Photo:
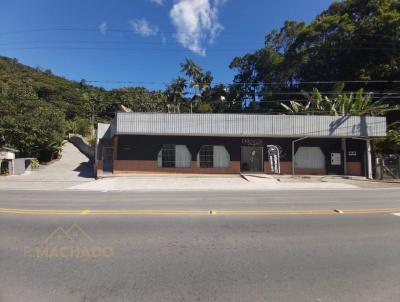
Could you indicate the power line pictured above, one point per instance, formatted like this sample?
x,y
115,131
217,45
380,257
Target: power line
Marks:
x,y
173,42
165,101
106,42
253,83
265,94
181,49
116,49
116,30
120,30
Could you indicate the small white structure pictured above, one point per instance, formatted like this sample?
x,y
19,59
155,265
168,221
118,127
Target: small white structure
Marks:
x,y
7,157
7,153
10,165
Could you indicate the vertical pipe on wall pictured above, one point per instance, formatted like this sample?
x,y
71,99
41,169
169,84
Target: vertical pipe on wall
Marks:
x,y
293,153
369,159
344,149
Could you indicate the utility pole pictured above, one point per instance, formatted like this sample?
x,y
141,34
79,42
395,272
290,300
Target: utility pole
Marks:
x,y
93,103
344,147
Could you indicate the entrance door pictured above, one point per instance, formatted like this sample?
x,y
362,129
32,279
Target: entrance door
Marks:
x,y
108,159
252,159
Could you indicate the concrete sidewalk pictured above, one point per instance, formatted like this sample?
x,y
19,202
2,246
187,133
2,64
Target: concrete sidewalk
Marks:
x,y
71,169
74,172
184,182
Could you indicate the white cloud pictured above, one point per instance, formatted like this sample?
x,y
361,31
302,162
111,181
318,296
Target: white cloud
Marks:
x,y
143,27
158,2
196,22
103,27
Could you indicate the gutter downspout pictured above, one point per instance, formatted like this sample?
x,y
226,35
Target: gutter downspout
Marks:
x,y
369,156
369,159
344,149
96,152
293,142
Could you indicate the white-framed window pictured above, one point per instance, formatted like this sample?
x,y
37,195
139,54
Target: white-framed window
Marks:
x,y
213,157
174,156
206,157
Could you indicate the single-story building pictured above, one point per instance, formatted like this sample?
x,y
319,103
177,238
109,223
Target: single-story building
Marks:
x,y
10,165
237,143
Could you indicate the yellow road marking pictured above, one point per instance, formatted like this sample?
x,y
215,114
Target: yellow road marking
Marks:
x,y
87,212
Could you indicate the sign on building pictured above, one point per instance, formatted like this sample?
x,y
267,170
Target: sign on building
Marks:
x,y
336,159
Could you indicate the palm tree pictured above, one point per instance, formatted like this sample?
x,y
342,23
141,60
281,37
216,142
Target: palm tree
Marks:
x,y
193,72
205,81
175,93
199,80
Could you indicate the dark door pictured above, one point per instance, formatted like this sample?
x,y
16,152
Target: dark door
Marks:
x,y
252,159
336,163
108,159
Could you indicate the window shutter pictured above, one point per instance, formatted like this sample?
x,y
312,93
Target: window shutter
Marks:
x,y
159,159
221,157
183,157
309,157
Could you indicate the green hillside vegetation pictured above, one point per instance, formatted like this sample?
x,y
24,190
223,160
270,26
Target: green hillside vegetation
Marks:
x,y
38,109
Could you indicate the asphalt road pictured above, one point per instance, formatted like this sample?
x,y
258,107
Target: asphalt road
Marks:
x,y
200,258
249,200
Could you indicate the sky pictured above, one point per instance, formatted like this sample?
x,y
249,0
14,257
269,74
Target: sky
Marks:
x,y
141,42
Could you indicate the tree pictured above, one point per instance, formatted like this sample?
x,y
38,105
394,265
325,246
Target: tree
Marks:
x,y
138,99
38,108
193,72
353,40
175,94
391,143
359,39
351,104
201,82
33,127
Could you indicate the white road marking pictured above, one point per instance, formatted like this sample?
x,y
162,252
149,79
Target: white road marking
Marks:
x,y
396,214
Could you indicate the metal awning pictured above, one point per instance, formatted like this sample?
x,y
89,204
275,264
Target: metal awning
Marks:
x,y
248,125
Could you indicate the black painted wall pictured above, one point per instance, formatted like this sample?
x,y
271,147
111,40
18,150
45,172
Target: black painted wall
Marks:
x,y
147,147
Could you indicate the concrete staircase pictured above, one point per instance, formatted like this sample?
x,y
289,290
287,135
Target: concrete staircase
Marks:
x,y
83,146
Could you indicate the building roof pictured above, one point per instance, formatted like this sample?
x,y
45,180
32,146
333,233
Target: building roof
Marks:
x,y
8,149
250,125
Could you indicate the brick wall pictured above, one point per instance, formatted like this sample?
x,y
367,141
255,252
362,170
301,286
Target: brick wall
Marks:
x,y
135,166
132,166
354,169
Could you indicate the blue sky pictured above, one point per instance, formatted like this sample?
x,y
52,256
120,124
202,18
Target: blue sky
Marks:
x,y
141,41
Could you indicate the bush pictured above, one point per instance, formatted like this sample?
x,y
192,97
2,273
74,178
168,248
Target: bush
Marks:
x,y
80,126
204,108
35,163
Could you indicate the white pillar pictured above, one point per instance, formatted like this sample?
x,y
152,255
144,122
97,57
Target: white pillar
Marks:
x,y
369,159
11,167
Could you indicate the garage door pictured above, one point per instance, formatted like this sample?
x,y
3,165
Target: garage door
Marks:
x,y
309,158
